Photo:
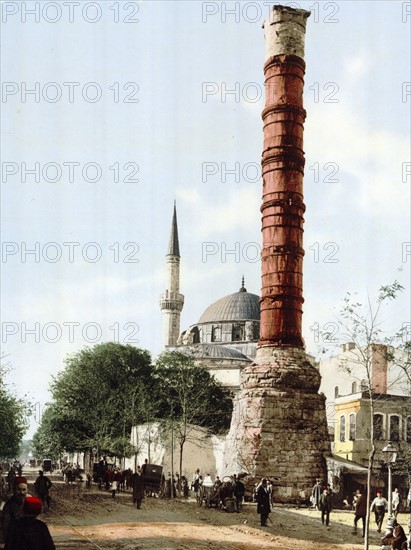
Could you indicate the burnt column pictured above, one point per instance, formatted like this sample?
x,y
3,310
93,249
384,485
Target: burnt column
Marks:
x,y
279,426
283,170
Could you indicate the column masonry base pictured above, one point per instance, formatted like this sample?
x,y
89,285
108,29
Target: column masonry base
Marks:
x,y
279,427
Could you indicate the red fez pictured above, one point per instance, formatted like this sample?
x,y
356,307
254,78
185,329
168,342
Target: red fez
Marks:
x,y
32,506
379,492
19,479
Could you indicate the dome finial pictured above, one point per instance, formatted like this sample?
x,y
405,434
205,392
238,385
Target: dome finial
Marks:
x,y
242,289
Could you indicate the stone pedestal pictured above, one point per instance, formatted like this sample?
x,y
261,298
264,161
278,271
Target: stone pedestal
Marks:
x,y
279,429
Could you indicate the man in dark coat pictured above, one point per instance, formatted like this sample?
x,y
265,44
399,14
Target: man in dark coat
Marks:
x,y
137,484
29,533
42,486
13,507
325,506
239,491
398,536
263,502
360,511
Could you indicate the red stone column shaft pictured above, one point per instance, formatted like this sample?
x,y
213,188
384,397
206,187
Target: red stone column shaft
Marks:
x,y
283,207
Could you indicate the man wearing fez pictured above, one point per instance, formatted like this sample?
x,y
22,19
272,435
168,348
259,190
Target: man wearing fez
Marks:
x,y
28,532
13,507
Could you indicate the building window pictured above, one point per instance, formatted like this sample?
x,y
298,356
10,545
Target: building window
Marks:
x,y
216,334
352,426
378,426
364,385
237,333
408,435
354,387
336,391
394,428
342,427
196,335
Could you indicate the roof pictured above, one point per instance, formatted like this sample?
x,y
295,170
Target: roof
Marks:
x,y
346,465
173,245
210,351
241,305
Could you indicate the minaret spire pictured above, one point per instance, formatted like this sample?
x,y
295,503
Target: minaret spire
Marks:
x,y
171,301
173,245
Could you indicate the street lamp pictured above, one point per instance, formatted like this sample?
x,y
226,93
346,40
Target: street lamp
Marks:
x,y
390,454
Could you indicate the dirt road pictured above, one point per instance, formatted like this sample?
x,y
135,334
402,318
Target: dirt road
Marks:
x,y
82,519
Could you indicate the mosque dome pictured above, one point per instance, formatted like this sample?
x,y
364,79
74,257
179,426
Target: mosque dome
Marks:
x,y
240,306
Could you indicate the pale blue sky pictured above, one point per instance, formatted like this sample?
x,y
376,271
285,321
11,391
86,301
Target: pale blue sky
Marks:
x,y
170,54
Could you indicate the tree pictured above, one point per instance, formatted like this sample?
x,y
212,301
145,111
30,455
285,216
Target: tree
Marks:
x,y
190,397
361,324
91,400
13,421
51,438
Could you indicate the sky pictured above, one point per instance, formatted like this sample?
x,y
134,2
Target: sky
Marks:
x,y
112,110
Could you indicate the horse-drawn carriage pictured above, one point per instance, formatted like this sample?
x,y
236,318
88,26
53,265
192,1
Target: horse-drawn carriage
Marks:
x,y
153,477
219,495
47,466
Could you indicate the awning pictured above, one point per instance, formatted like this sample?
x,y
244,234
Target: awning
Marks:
x,y
344,466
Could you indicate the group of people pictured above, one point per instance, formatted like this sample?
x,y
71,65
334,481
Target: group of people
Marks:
x,y
395,538
20,526
235,489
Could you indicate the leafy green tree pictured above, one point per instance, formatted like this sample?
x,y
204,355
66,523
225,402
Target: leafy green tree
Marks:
x,y
13,420
189,397
92,396
52,437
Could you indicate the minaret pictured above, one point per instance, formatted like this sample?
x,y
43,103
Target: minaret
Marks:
x,y
279,428
171,301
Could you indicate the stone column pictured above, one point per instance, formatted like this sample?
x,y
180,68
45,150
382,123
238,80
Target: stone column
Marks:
x,y
283,171
279,428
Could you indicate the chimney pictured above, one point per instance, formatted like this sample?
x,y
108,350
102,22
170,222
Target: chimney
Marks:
x,y
379,368
283,170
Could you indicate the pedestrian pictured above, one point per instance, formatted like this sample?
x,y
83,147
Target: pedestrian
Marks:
x,y
27,532
379,506
360,510
184,486
137,484
196,481
2,486
239,492
396,537
143,473
399,536
263,502
270,490
208,481
113,488
42,486
177,484
395,502
316,494
325,506
13,507
11,476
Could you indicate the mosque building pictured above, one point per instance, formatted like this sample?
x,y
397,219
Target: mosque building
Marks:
x,y
224,340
